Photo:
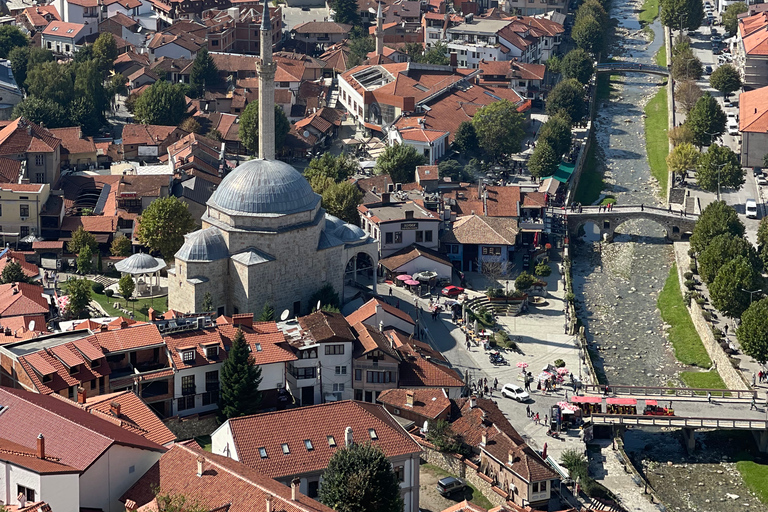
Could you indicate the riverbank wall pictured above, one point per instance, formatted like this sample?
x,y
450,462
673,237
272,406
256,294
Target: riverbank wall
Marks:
x,y
670,102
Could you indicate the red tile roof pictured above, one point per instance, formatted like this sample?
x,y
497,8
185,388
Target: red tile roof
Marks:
x,y
314,423
367,310
429,403
135,415
74,436
9,170
49,362
29,269
753,111
224,484
15,139
146,134
73,140
28,299
267,343
54,244
90,223
407,254
26,457
62,29
130,338
324,326
420,367
37,14
198,340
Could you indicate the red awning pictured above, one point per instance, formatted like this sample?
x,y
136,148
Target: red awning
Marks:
x,y
586,400
651,402
621,401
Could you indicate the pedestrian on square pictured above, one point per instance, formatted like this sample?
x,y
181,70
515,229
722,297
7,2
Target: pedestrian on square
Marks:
x,y
752,404
495,383
709,397
545,420
390,291
537,418
642,207
725,329
528,410
485,390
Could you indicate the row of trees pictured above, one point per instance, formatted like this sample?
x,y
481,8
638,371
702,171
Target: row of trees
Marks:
x,y
589,29
719,166
682,14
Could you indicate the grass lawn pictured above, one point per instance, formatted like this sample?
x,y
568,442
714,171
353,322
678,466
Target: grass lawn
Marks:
x,y
661,56
591,181
477,496
656,140
649,12
138,306
685,340
755,477
709,379
205,442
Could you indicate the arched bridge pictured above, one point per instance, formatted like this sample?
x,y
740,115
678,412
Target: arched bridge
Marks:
x,y
630,67
677,225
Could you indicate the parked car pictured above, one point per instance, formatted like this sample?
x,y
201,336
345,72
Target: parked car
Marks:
x,y
733,127
515,392
757,172
449,485
708,70
762,181
452,291
751,208
717,39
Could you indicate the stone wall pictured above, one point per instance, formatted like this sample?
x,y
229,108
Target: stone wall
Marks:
x,y
192,426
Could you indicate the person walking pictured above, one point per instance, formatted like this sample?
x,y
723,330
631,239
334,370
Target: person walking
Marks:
x,y
642,207
752,404
546,423
528,410
709,397
495,383
390,291
537,418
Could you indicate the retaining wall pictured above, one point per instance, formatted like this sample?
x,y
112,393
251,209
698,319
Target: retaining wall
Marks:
x,y
670,101
192,426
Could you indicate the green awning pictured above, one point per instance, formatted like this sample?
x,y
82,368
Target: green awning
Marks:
x,y
564,172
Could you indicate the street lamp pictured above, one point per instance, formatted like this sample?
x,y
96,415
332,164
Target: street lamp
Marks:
x,y
718,178
712,137
751,292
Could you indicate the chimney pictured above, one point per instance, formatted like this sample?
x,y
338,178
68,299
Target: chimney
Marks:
x,y
40,446
130,506
152,314
123,324
81,395
409,214
104,328
114,409
454,62
385,198
200,461
484,437
295,489
269,503
511,457
472,402
348,437
244,319
409,398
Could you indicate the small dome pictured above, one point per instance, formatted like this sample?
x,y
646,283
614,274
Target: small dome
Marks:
x,y
203,245
332,223
264,187
350,233
140,263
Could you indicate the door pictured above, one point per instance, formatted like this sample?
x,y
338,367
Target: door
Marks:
x,y
308,395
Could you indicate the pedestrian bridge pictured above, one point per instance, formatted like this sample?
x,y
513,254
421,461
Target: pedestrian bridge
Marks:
x,y
676,225
630,67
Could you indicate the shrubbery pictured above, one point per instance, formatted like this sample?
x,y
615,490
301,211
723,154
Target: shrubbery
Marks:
x,y
98,288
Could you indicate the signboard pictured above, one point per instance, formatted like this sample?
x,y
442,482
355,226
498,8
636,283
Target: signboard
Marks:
x,y
147,150
409,225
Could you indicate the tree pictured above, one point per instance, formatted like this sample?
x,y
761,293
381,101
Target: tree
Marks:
x,y
725,79
121,246
190,125
681,135
731,16
400,162
557,133
204,74
588,34
326,295
719,167
689,13
437,55
454,170
267,313
567,97
554,64
762,240
753,331
53,81
543,161
716,218
359,48
706,120
79,293
721,250
207,302
24,59
85,260
442,436
466,138
11,37
341,200
682,158
360,478
42,111
499,128
727,290
346,11
240,380
164,224
13,273
595,9
686,66
177,502
687,93
577,64
338,168
524,282
249,127
126,286
162,103
80,239
105,52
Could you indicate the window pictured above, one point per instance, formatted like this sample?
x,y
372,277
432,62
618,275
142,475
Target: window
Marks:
x,y
419,236
211,395
29,493
309,354
24,210
1,210
39,160
258,347
188,356
49,45
400,473
331,441
332,350
188,385
379,377
398,237
263,452
39,177
74,369
338,387
372,434
96,363
312,488
286,450
72,392
93,384
359,394
543,486
358,374
214,42
23,231
305,373
308,445
47,378
388,238
212,352
66,48
341,370
427,236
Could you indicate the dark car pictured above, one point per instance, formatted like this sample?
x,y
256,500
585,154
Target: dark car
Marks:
x,y
708,70
449,485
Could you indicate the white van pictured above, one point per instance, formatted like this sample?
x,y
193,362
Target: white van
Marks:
x,y
751,209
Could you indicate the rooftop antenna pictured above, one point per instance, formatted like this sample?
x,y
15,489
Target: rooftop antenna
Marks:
x,y
284,315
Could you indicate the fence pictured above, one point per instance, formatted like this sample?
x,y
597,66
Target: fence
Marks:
x,y
681,422
667,392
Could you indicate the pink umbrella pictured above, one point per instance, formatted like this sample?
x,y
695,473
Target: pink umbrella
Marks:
x,y
404,277
563,371
522,365
562,405
412,282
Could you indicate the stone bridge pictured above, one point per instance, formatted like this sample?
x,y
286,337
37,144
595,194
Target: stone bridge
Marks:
x,y
677,226
630,67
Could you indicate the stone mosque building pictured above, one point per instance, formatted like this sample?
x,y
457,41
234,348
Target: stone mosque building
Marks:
x,y
265,238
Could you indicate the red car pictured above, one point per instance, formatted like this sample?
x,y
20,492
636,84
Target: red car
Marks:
x,y
452,291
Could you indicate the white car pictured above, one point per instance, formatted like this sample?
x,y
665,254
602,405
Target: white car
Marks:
x,y
515,392
733,127
751,209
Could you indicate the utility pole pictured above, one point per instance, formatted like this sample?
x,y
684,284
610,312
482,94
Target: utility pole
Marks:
x,y
751,293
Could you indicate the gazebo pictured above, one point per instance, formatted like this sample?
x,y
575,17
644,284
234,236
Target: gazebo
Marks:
x,y
141,264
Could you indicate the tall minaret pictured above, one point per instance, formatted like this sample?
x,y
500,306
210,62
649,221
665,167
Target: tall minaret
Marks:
x,y
379,32
266,69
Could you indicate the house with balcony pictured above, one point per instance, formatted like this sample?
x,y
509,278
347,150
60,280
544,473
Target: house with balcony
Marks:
x,y
35,147
399,224
376,363
751,50
320,33
237,28
524,78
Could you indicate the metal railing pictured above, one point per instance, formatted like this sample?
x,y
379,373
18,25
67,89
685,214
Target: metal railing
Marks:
x,y
678,421
628,208
631,66
665,392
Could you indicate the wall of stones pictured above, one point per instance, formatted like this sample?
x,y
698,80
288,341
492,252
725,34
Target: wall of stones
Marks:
x,y
192,426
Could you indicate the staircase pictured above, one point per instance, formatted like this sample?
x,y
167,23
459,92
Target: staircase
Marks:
x,y
599,504
333,99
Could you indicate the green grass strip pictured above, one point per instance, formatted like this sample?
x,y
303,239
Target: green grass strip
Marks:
x,y
138,306
591,181
661,56
656,140
685,340
648,12
755,477
710,379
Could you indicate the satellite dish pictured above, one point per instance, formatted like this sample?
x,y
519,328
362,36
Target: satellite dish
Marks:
x,y
318,305
305,134
31,325
284,315
425,428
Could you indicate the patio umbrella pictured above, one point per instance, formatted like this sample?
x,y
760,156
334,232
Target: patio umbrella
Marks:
x,y
404,277
412,282
521,364
563,371
562,405
544,375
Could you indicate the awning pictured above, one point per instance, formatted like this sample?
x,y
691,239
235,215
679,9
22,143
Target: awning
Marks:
x,y
564,172
549,185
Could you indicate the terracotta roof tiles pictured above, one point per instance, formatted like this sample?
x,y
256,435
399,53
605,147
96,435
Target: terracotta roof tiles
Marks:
x,y
27,299
135,415
430,403
368,310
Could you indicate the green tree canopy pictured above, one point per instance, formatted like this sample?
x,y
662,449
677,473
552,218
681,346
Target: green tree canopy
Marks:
x,y
466,138
762,240
682,158
338,168
557,133
499,128
11,37
162,103
454,170
53,81
725,79
80,239
240,380
727,290
567,97
543,161
400,162
595,9
554,64
42,111
689,12
121,246
346,11
716,218
524,282
681,135
126,286
204,74
341,200
686,66
588,34
85,260
79,293
360,478
753,331
207,302
722,249
327,296
706,120
25,58
249,127
687,93
719,163
13,273
438,54
105,52
359,48
164,224
577,64
731,16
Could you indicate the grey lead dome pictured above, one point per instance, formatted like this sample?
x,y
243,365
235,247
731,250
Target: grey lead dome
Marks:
x,y
264,187
203,245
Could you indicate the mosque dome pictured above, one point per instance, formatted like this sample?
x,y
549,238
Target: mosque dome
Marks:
x,y
264,187
345,232
203,245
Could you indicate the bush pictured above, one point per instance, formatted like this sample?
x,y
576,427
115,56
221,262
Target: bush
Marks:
x,y
494,293
688,275
701,301
570,297
543,270
559,363
691,253
707,315
717,333
688,297
690,284
694,268
98,288
109,292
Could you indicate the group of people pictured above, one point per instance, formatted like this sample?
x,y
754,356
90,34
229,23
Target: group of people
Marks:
x,y
534,416
481,388
762,377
